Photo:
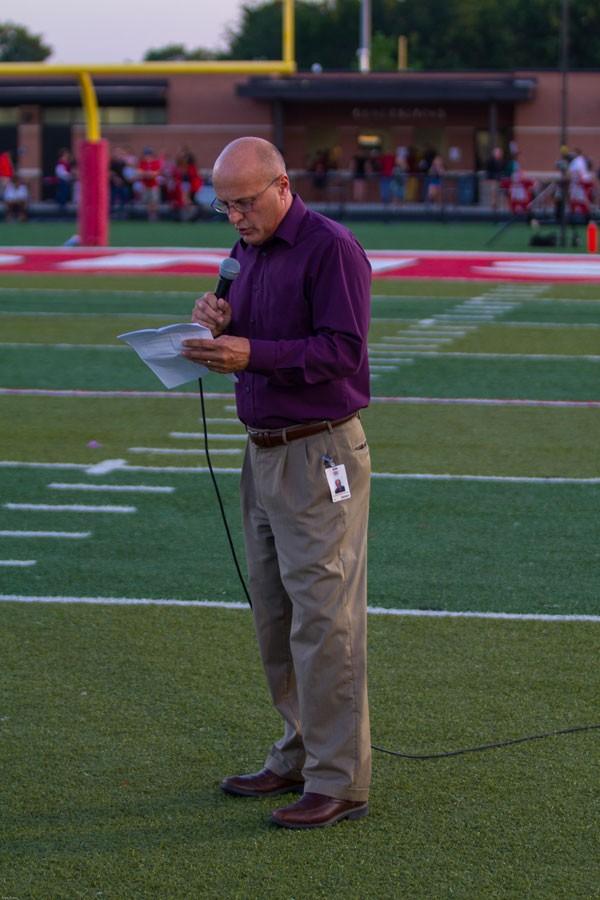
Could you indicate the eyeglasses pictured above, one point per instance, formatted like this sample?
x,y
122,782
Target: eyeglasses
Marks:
x,y
243,205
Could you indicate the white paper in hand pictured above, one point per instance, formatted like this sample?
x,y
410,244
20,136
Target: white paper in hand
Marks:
x,y
160,349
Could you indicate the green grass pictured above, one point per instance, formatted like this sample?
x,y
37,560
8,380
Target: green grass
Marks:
x,y
406,235
117,723
431,546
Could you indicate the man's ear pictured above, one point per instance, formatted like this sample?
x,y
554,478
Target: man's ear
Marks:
x,y
284,185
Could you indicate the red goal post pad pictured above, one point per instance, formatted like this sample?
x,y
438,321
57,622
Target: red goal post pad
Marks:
x,y
93,198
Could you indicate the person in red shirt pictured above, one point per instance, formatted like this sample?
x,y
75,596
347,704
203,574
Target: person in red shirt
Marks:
x,y
187,182
149,173
6,170
520,192
386,165
581,195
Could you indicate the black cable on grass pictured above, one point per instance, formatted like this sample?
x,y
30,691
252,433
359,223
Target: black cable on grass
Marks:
x,y
218,493
494,746
420,756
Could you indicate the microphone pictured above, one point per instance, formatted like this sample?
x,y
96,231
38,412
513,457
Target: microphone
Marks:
x,y
228,272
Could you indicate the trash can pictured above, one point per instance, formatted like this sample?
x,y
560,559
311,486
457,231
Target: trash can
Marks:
x,y
466,190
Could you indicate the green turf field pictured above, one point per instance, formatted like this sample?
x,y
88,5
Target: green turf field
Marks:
x,y
398,235
118,721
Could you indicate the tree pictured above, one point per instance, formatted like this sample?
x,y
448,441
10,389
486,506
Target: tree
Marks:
x,y
442,34
326,33
178,52
17,44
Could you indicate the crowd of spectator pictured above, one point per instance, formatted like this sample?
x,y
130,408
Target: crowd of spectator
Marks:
x,y
150,181
402,174
13,190
154,179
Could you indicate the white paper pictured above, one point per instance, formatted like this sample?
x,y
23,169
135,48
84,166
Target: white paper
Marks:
x,y
161,348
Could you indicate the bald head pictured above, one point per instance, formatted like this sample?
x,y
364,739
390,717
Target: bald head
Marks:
x,y
250,179
251,155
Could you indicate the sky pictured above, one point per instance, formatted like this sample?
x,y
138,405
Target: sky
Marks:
x,y
122,30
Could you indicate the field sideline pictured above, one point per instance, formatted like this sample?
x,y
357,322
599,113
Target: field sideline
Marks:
x,y
131,679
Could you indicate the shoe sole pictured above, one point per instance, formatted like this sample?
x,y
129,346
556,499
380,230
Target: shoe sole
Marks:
x,y
236,792
359,813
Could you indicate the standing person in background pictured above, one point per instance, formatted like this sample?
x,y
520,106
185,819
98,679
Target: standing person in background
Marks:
x,y
6,170
187,184
495,172
399,173
64,172
149,173
385,169
119,189
295,332
435,175
360,169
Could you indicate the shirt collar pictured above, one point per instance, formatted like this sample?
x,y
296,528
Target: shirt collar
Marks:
x,y
288,228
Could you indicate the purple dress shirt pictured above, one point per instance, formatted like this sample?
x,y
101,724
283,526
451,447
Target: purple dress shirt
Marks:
x,y
303,300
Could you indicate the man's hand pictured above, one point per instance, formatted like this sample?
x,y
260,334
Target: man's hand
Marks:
x,y
214,314
225,354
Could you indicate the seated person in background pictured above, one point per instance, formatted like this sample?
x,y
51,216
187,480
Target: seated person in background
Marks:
x,y
16,199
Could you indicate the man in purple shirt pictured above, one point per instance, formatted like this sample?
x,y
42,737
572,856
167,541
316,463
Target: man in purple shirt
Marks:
x,y
295,331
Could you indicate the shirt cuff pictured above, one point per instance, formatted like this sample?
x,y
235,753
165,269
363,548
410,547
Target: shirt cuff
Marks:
x,y
263,356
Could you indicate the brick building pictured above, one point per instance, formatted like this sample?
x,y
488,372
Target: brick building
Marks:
x,y
460,115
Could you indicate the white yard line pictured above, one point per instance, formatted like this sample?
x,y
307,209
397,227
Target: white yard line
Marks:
x,y
372,610
488,401
117,488
38,345
461,354
517,479
179,451
105,466
422,476
417,339
18,563
69,507
195,435
232,420
74,535
129,395
85,292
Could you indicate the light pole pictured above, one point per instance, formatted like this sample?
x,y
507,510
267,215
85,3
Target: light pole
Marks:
x,y
564,72
364,51
564,118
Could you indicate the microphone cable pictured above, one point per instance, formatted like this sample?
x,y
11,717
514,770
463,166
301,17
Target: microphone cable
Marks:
x,y
218,493
445,754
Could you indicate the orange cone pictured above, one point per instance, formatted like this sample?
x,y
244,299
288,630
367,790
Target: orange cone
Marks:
x,y
592,237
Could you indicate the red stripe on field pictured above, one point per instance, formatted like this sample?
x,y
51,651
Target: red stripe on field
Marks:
x,y
417,264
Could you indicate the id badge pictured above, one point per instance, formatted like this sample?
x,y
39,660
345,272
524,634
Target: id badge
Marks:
x,y
338,483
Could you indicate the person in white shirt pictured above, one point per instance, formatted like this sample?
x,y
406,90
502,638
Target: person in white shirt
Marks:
x,y
16,199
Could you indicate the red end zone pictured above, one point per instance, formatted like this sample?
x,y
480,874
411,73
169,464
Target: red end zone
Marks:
x,y
417,264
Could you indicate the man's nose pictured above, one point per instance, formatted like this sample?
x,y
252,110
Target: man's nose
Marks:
x,y
234,215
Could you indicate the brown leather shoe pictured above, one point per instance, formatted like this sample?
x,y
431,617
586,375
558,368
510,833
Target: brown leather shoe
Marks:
x,y
317,810
260,784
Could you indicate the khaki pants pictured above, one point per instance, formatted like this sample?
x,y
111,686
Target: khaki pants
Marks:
x,y
307,568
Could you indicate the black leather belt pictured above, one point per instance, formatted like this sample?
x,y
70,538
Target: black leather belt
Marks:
x,y
294,432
